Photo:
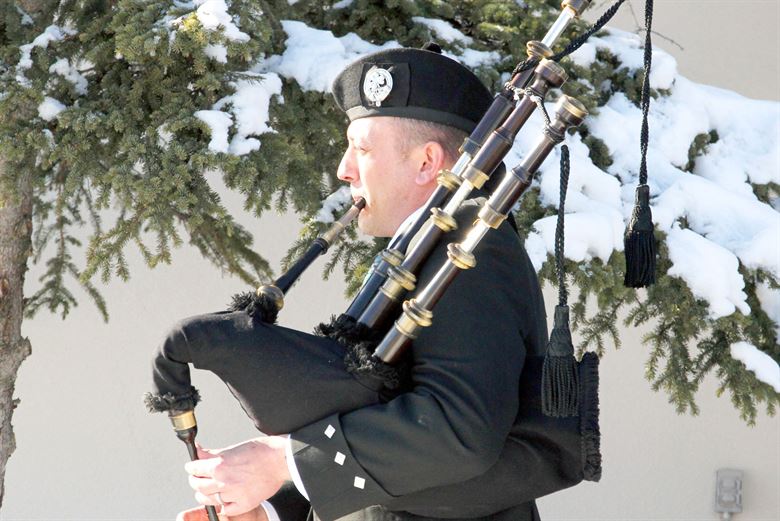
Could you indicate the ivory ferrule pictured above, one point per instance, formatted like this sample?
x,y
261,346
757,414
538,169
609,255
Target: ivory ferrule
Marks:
x,y
461,258
183,420
413,318
333,232
398,281
457,199
476,177
443,220
461,163
559,26
448,180
392,256
490,216
477,232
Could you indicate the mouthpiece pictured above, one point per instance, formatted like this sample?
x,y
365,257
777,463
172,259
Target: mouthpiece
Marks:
x,y
336,228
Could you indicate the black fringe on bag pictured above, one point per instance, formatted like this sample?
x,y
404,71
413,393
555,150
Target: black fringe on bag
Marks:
x,y
169,402
589,417
259,307
360,342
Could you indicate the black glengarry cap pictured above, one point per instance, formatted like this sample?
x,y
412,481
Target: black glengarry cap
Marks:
x,y
412,83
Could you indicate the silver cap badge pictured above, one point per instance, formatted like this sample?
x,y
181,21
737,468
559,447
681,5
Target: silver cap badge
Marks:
x,y
377,85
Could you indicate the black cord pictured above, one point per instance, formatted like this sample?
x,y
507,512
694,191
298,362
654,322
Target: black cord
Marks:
x,y
645,102
563,293
576,43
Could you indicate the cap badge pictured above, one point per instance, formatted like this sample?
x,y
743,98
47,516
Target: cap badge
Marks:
x,y
377,85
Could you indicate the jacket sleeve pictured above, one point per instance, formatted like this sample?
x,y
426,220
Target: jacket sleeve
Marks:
x,y
452,425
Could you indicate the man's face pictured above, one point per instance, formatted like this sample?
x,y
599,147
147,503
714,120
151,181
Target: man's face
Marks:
x,y
377,168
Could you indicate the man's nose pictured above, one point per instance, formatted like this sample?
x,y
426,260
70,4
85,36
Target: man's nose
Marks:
x,y
347,170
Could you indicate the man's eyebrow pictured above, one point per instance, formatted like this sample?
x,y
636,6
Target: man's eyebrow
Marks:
x,y
361,140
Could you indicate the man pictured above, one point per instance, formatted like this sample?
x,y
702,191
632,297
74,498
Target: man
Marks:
x,y
442,447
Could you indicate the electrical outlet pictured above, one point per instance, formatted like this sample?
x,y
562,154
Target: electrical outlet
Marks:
x,y
728,491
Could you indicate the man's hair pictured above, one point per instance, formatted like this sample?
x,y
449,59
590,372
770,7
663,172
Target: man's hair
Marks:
x,y
416,132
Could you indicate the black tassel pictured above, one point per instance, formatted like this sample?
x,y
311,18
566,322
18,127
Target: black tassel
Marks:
x,y
639,243
359,343
169,402
589,417
560,394
259,307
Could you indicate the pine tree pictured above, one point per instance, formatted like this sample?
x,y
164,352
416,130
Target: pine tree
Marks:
x,y
106,121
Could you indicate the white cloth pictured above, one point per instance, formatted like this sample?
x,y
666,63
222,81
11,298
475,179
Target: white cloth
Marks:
x,y
270,511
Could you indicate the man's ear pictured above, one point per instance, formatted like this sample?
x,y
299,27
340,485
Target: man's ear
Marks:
x,y
432,160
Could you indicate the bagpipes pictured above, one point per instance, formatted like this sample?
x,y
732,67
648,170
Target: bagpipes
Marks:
x,y
558,413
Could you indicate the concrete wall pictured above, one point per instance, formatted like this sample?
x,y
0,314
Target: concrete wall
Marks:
x,y
87,449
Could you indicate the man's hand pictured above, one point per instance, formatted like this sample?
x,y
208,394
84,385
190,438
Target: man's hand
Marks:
x,y
199,514
244,475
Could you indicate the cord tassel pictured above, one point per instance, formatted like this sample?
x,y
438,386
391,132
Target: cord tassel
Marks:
x,y
639,242
560,382
260,307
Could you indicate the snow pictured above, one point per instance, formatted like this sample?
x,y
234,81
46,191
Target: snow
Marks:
x,y
313,57
443,30
26,18
584,56
219,124
248,106
52,33
164,137
343,4
213,14
763,365
333,204
473,58
769,298
50,108
628,49
64,68
216,52
709,270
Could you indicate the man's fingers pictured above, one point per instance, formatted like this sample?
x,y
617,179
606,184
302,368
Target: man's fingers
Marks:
x,y
229,509
208,499
203,467
205,486
204,453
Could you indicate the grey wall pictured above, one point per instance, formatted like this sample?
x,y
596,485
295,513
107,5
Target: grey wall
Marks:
x,y
87,450
734,44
